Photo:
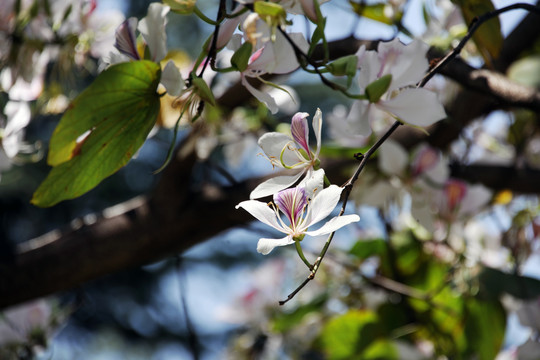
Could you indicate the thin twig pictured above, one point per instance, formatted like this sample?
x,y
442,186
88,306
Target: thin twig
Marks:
x,y
475,24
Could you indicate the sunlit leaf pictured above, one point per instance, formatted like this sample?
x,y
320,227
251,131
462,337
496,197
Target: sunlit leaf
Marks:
x,y
101,130
485,327
488,37
348,335
375,12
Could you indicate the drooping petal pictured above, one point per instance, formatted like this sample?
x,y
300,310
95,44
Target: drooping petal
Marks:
x,y
261,96
261,212
323,204
273,143
274,185
172,79
300,131
264,246
358,118
418,107
152,29
291,202
334,224
278,57
227,28
317,128
126,41
392,158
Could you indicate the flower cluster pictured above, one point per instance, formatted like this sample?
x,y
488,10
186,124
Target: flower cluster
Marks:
x,y
303,205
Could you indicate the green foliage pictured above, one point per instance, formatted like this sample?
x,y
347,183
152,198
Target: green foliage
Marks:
x,y
101,130
494,283
184,7
375,12
433,302
488,37
285,321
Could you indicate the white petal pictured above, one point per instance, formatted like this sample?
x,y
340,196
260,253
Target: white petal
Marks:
x,y
411,65
317,128
264,246
392,158
334,224
323,204
265,98
172,79
369,65
418,107
274,185
227,29
261,212
313,182
273,143
152,29
358,118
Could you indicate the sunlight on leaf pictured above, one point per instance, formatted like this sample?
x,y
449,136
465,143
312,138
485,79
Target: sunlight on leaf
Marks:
x,y
116,112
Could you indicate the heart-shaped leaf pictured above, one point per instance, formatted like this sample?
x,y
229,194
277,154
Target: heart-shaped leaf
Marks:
x,y
101,130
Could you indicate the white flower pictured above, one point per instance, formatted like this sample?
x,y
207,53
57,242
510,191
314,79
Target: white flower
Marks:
x,y
152,29
301,213
271,54
290,152
388,77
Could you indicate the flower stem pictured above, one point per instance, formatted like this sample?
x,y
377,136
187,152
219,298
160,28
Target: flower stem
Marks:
x,y
301,254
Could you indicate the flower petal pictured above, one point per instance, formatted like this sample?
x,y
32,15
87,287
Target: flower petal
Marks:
x,y
152,29
418,107
358,119
261,212
300,131
274,185
392,158
126,41
323,204
264,246
172,79
313,182
291,202
317,128
273,143
263,97
408,63
334,224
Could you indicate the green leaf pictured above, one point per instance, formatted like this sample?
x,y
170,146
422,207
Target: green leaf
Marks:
x,y
484,328
488,37
241,56
183,7
268,9
101,130
375,12
368,248
348,335
495,282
